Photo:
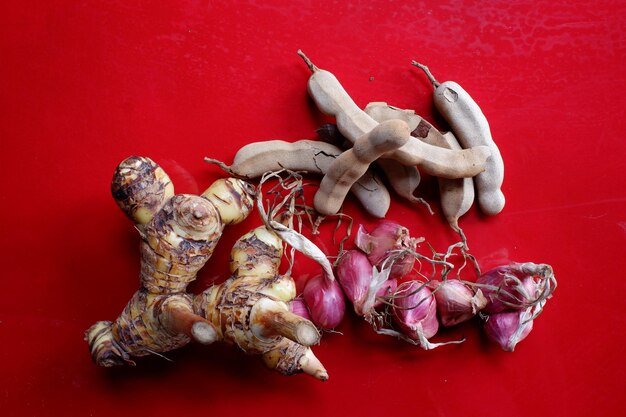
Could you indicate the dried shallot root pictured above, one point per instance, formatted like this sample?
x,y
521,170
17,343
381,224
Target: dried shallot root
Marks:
x,y
515,295
178,236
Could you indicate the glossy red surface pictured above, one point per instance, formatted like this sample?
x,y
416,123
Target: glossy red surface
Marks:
x,y
85,84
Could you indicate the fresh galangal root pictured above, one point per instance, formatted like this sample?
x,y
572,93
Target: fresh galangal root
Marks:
x,y
178,236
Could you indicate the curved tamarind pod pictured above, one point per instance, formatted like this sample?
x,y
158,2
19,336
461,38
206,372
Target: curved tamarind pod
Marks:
x,y
146,326
255,159
420,128
457,195
471,128
140,188
404,179
332,99
351,164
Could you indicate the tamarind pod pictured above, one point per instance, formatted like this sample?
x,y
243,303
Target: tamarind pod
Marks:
x,y
314,157
290,358
352,164
471,128
140,188
457,195
270,318
138,331
232,197
331,98
403,179
178,318
420,128
381,111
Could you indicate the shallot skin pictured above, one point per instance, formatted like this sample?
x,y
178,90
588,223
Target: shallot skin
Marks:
x,y
386,241
325,301
354,273
298,306
514,286
508,328
416,311
456,301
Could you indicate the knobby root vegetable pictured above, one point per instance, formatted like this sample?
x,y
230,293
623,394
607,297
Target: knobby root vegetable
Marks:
x,y
471,128
353,163
178,235
457,195
331,98
140,188
251,308
313,157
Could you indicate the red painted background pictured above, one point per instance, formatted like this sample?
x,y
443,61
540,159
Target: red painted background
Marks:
x,y
85,84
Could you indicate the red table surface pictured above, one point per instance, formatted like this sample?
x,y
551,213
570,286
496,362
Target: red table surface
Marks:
x,y
85,84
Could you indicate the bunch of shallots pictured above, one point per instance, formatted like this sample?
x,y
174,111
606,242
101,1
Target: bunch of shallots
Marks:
x,y
515,294
370,276
378,278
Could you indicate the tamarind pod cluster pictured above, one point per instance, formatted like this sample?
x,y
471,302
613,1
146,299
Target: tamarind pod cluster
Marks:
x,y
352,163
313,157
457,195
331,98
404,179
178,235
